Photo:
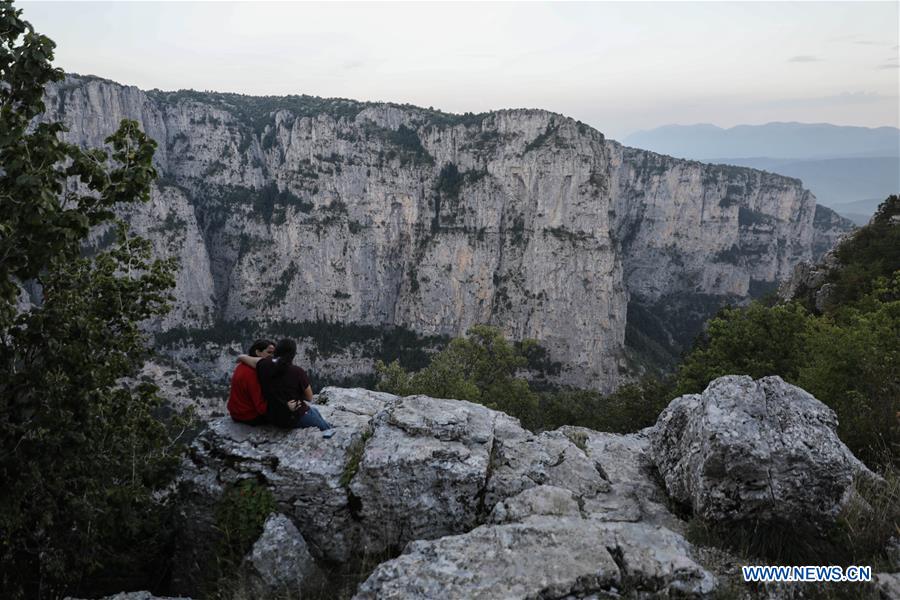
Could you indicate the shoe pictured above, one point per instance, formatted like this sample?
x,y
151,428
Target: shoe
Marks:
x,y
328,433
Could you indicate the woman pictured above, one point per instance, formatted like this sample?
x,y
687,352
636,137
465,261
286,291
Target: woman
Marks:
x,y
286,388
245,400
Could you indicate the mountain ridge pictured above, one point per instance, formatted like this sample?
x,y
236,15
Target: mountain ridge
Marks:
x,y
303,210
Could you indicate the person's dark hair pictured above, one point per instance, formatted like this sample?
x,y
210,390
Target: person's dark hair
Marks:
x,y
259,345
285,351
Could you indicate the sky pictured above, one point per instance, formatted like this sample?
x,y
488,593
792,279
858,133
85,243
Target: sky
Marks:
x,y
620,67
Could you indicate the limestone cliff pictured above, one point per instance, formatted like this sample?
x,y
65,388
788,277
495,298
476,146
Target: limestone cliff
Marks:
x,y
302,210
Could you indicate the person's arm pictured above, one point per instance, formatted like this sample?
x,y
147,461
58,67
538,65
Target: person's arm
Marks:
x,y
248,360
305,387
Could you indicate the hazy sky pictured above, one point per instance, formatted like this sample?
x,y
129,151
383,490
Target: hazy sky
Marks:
x,y
617,66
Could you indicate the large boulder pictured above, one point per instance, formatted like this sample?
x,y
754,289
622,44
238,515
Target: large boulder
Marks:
x,y
279,564
544,557
761,451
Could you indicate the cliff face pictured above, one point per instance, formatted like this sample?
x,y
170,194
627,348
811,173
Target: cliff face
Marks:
x,y
300,209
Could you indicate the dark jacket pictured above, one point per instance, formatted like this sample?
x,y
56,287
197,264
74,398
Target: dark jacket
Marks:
x,y
281,383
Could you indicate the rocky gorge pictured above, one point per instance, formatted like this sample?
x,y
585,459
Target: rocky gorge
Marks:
x,y
379,230
448,499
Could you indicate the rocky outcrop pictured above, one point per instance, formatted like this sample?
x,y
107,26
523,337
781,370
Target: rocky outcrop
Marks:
x,y
754,451
829,229
449,499
279,564
304,210
442,477
809,281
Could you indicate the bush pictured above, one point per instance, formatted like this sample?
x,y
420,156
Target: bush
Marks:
x,y
240,517
756,341
479,368
630,408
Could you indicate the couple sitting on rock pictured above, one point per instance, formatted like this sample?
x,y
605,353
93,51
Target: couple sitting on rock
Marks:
x,y
277,392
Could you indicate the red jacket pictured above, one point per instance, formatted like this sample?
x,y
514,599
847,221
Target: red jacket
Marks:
x,y
245,402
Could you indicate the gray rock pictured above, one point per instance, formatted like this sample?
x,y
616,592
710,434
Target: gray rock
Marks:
x,y
279,564
544,557
303,470
541,500
423,472
523,460
624,460
888,585
748,450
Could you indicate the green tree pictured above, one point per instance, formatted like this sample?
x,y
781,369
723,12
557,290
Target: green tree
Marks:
x,y
756,341
481,368
82,458
852,364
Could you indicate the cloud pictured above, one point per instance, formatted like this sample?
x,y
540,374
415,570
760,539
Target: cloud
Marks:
x,y
845,99
804,58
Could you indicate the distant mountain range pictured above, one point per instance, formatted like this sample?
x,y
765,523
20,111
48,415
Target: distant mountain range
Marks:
x,y
849,169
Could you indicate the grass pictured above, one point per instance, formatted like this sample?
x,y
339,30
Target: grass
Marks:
x,y
356,454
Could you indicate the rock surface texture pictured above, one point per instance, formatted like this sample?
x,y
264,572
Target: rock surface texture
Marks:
x,y
305,210
478,506
279,564
747,450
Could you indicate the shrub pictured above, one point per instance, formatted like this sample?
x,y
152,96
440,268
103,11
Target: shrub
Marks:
x,y
240,516
480,368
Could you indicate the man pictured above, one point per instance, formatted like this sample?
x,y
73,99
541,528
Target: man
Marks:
x,y
287,390
246,403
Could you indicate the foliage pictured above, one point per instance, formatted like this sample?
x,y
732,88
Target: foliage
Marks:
x,y
450,181
406,145
480,368
630,408
82,458
542,138
747,217
355,455
257,111
870,253
756,341
240,517
852,364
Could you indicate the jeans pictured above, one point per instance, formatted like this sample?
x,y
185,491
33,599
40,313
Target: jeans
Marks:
x,y
312,418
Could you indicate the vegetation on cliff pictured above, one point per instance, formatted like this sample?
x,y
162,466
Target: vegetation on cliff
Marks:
x,y
83,459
